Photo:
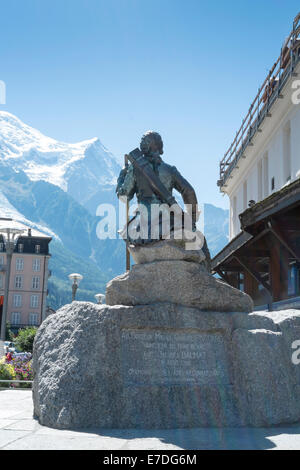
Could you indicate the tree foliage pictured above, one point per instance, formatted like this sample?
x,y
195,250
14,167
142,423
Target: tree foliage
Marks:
x,y
9,336
24,339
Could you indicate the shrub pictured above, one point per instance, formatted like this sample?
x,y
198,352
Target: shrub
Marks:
x,y
7,372
24,339
23,371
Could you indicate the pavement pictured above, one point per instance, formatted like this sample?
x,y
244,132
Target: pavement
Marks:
x,y
19,431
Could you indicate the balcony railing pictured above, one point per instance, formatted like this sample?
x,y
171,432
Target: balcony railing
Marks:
x,y
267,94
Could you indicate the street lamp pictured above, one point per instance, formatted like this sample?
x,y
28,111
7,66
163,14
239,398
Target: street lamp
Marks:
x,y
10,238
99,298
75,279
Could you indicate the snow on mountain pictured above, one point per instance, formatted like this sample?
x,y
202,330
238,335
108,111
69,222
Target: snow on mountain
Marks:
x,y
44,158
55,187
7,210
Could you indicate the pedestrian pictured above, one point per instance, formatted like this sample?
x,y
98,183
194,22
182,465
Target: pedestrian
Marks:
x,y
9,357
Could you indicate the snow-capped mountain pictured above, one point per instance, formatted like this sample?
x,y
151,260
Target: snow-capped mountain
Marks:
x,y
80,169
56,187
7,210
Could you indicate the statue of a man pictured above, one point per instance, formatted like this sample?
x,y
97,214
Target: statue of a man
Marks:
x,y
131,182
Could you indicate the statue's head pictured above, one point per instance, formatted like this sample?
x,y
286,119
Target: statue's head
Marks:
x,y
151,143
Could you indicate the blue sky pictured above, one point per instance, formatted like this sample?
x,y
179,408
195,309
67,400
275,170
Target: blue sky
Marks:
x,y
189,69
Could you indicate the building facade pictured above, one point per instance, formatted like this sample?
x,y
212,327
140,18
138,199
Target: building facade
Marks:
x,y
28,286
260,173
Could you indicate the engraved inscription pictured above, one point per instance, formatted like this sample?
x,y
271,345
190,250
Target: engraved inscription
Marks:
x,y
173,358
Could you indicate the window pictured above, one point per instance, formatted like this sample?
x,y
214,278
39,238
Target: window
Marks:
x,y
1,260
35,282
15,318
242,282
1,246
37,248
1,281
20,248
33,319
36,264
18,282
34,301
17,300
292,280
19,264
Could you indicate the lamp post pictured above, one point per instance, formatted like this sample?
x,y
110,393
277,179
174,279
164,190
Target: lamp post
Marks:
x,y
99,298
10,238
75,279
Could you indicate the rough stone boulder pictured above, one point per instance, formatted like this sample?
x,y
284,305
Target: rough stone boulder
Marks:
x,y
174,347
165,250
165,366
179,282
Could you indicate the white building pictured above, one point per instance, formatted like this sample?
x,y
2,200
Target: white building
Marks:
x,y
263,160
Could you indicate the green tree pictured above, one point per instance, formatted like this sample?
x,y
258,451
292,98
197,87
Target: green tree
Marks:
x,y
24,339
9,336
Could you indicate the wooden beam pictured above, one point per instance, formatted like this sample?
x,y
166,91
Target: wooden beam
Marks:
x,y
250,284
258,253
223,276
258,236
263,268
275,269
229,269
234,280
250,269
284,273
284,201
283,239
290,223
292,227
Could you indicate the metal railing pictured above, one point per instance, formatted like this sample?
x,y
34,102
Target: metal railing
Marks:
x,y
267,94
15,382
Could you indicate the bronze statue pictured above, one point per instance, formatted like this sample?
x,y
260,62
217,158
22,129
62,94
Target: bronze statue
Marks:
x,y
152,181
